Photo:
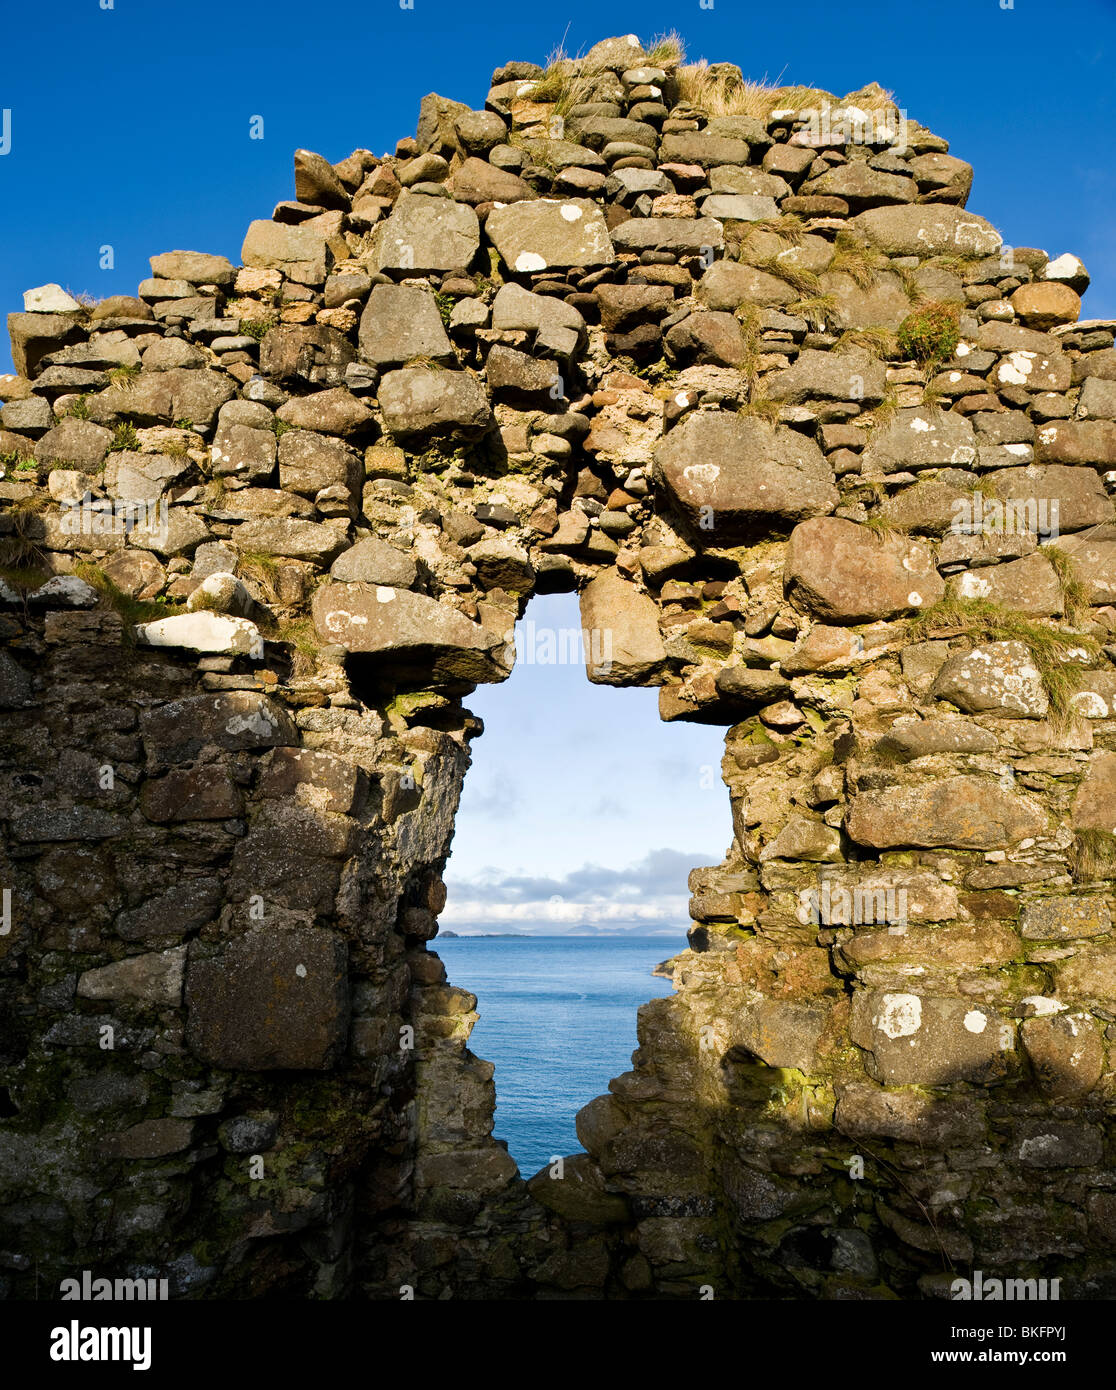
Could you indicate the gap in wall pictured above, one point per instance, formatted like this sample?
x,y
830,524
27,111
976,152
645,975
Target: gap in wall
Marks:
x,y
580,820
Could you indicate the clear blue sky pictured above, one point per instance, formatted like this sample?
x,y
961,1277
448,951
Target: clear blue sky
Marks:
x,y
130,128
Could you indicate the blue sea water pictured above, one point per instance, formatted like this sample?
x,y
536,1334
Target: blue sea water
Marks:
x,y
558,1019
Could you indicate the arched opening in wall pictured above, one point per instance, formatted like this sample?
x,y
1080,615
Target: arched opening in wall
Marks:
x,y
580,820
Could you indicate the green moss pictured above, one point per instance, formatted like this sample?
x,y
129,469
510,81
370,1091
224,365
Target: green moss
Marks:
x,y
931,333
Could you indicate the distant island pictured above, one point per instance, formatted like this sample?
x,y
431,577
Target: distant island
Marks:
x,y
485,935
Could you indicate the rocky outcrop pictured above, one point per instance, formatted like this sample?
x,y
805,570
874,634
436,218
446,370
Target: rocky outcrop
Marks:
x,y
827,463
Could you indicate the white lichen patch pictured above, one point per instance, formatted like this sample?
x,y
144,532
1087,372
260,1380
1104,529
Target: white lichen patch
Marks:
x,y
900,1015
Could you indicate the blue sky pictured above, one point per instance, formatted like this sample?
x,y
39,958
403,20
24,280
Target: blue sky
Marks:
x,y
129,128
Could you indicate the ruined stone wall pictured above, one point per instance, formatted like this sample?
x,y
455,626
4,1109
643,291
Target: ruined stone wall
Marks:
x,y
826,462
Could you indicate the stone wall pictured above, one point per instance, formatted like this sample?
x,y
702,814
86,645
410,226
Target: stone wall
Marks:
x,y
826,462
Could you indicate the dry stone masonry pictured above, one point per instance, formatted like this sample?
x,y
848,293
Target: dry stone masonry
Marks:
x,y
828,464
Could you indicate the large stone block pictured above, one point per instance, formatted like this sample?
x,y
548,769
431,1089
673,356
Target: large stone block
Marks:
x,y
301,253
292,856
966,812
733,477
271,1000
623,645
921,438
386,621
993,678
844,574
236,719
928,229
920,1040
425,403
402,322
545,234
424,234
1094,806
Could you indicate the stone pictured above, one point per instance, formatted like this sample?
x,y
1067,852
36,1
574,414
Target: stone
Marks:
x,y
426,403
1067,269
884,303
1048,498
1091,442
313,779
862,187
300,252
623,645
749,686
525,380
727,285
1097,400
158,1138
334,411
317,183
780,1033
221,592
63,591
400,323
966,812
155,979
49,299
275,999
624,307
310,463
1094,806
680,234
739,207
914,1039
236,719
763,475
579,1194
203,631
546,233
1045,304
424,235
195,267
707,150
1064,918
373,561
478,1171
927,229
1029,585
708,337
920,438
1059,1144
476,181
161,398
240,448
34,336
16,688
291,537
848,376
305,352
840,572
922,738
480,131
994,677
867,1111
1094,564
413,627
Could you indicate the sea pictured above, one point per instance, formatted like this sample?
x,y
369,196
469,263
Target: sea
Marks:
x,y
558,1020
